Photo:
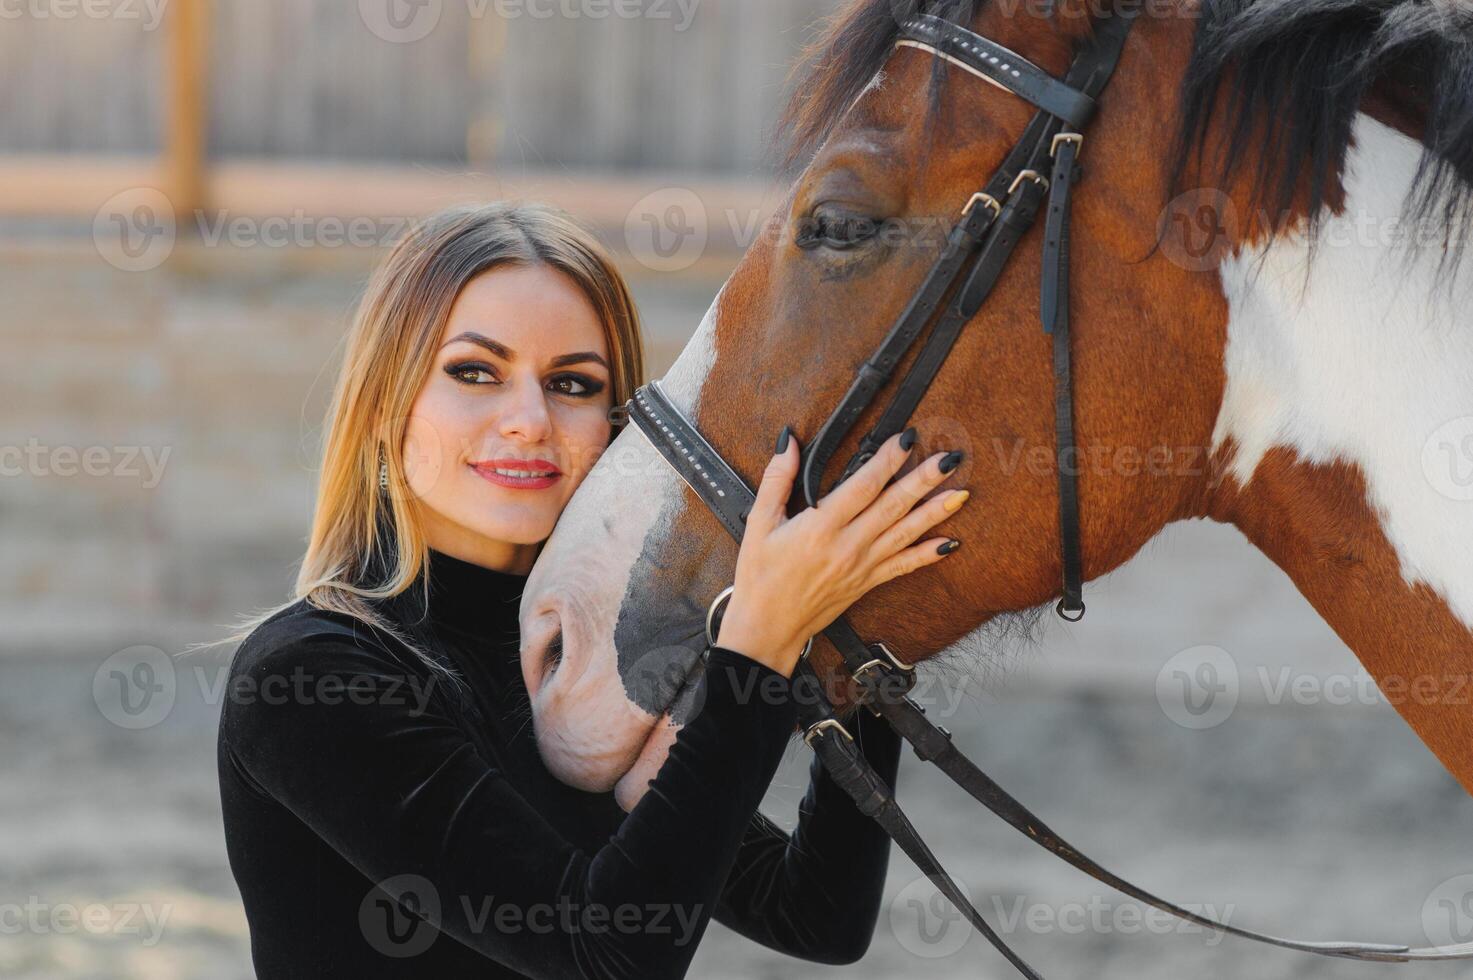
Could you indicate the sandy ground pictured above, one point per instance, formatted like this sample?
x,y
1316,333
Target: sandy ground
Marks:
x,y
1319,820
1320,816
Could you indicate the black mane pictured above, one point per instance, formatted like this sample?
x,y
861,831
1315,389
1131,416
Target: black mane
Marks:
x,y
1305,64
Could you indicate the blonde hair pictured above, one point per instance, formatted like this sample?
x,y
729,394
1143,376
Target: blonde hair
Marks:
x,y
366,544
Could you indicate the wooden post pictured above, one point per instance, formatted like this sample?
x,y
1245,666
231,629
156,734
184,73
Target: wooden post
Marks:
x,y
486,38
187,114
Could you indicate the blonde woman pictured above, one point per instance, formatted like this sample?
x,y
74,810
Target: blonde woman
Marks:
x,y
386,811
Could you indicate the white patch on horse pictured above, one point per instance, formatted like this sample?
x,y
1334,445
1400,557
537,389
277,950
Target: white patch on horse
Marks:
x,y
583,716
1362,362
686,377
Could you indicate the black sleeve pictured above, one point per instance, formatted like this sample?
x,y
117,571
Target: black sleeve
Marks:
x,y
403,791
816,894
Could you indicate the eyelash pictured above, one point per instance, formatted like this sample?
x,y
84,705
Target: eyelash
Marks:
x,y
836,230
592,385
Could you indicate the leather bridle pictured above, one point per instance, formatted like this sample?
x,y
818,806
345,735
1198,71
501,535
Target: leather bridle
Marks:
x,y
992,223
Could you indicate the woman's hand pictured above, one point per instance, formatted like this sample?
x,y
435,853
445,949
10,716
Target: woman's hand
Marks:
x,y
794,576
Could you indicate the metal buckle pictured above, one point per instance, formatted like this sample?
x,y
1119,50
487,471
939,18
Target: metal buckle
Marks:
x,y
985,198
1023,175
886,663
818,727
1076,138
723,597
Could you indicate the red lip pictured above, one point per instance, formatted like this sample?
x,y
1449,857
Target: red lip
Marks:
x,y
519,474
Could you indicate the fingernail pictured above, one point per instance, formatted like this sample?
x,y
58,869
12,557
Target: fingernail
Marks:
x,y
949,547
782,439
908,439
951,462
955,501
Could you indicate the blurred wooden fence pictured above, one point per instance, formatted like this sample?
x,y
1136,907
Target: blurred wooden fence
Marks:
x,y
686,85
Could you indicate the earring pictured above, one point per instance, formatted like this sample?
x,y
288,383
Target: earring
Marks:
x,y
383,474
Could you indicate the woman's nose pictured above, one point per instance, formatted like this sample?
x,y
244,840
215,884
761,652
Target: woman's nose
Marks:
x,y
524,413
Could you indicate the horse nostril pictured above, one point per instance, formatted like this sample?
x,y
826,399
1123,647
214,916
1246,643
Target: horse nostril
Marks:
x,y
552,656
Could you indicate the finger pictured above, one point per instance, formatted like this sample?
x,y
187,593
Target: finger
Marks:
x,y
770,508
902,496
915,557
860,490
917,522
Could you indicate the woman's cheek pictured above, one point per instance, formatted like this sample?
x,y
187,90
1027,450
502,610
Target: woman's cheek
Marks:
x,y
587,439
424,455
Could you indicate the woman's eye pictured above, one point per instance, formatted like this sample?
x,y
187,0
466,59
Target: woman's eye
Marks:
x,y
470,373
572,384
839,230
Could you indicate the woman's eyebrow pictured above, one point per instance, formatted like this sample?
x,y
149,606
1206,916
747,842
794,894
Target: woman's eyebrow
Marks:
x,y
507,354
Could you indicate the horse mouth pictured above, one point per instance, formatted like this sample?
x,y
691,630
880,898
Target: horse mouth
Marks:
x,y
647,764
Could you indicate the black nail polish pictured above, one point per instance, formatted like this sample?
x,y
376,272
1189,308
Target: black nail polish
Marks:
x,y
950,462
782,439
948,547
908,439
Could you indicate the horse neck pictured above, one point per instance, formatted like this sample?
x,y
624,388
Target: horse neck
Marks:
x,y
1345,439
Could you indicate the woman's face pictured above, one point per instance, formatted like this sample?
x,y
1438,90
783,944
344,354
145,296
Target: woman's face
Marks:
x,y
513,416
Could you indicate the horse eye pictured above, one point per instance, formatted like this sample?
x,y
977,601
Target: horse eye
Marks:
x,y
835,229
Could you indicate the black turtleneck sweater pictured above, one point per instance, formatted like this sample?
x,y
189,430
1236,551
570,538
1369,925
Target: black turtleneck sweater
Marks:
x,y
382,821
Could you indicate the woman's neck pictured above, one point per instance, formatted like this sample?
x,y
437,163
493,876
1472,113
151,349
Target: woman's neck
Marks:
x,y
463,595
498,556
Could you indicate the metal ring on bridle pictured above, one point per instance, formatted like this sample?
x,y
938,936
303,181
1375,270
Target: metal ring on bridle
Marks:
x,y
723,597
716,603
1067,614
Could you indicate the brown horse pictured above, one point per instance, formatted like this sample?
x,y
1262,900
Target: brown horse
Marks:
x,y
1304,371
